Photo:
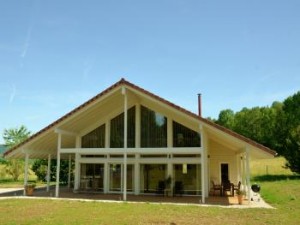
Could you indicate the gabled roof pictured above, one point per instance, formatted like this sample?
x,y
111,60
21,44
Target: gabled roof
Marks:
x,y
123,82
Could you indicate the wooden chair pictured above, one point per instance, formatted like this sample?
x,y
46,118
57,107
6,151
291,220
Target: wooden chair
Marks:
x,y
227,186
237,187
161,186
178,188
216,187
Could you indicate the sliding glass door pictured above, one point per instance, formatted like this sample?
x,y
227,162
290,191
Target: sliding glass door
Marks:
x,y
116,177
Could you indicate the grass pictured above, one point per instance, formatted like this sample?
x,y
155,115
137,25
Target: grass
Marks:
x,y
283,194
281,190
273,166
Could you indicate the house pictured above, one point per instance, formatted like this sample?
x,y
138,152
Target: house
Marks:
x,y
128,140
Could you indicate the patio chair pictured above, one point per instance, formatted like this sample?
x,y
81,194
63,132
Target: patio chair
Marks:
x,y
178,188
227,186
161,186
216,187
237,187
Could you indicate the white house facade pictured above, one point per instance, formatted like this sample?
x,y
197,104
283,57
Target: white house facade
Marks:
x,y
130,141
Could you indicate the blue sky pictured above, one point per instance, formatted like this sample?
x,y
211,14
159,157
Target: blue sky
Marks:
x,y
54,55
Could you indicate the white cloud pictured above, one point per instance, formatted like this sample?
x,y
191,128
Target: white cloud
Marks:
x,y
27,42
13,93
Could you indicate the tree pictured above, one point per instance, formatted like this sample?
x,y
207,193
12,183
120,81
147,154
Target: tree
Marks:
x,y
39,167
226,118
13,137
291,119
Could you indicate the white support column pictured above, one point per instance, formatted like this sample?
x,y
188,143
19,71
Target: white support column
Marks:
x,y
205,159
58,165
137,175
48,172
169,133
105,179
107,134
69,172
77,165
125,145
137,145
203,183
138,126
26,171
243,167
170,173
248,173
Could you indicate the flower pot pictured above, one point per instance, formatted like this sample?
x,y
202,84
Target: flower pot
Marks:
x,y
240,199
29,190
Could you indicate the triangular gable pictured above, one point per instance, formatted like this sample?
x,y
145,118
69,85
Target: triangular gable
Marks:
x,y
151,97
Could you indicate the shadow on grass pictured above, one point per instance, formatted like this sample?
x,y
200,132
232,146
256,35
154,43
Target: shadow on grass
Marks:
x,y
275,177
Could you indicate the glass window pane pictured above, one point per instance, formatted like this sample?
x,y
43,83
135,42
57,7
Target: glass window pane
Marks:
x,y
117,130
151,178
184,137
94,139
92,177
187,179
153,129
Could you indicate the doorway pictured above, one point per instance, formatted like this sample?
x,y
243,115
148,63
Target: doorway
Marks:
x,y
224,172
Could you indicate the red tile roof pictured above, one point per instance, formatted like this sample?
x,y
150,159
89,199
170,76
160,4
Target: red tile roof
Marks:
x,y
125,82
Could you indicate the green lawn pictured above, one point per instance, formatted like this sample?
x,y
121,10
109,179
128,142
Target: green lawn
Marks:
x,y
282,194
281,190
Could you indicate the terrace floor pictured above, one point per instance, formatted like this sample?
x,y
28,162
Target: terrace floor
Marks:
x,y
66,193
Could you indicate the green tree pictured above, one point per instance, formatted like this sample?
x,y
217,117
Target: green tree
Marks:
x,y
226,118
291,120
39,167
13,137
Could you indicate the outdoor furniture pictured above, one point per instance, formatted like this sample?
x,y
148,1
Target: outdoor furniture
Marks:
x,y
161,186
237,187
216,187
178,188
227,186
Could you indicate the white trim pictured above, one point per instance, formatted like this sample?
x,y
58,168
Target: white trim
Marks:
x,y
65,132
148,151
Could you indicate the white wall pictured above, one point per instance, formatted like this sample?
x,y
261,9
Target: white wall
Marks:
x,y
220,154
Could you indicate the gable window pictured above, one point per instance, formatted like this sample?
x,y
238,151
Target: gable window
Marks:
x,y
153,129
117,130
94,139
184,137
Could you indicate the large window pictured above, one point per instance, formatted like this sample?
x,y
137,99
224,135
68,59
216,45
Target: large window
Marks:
x,y
117,130
187,179
184,137
94,139
92,177
153,129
